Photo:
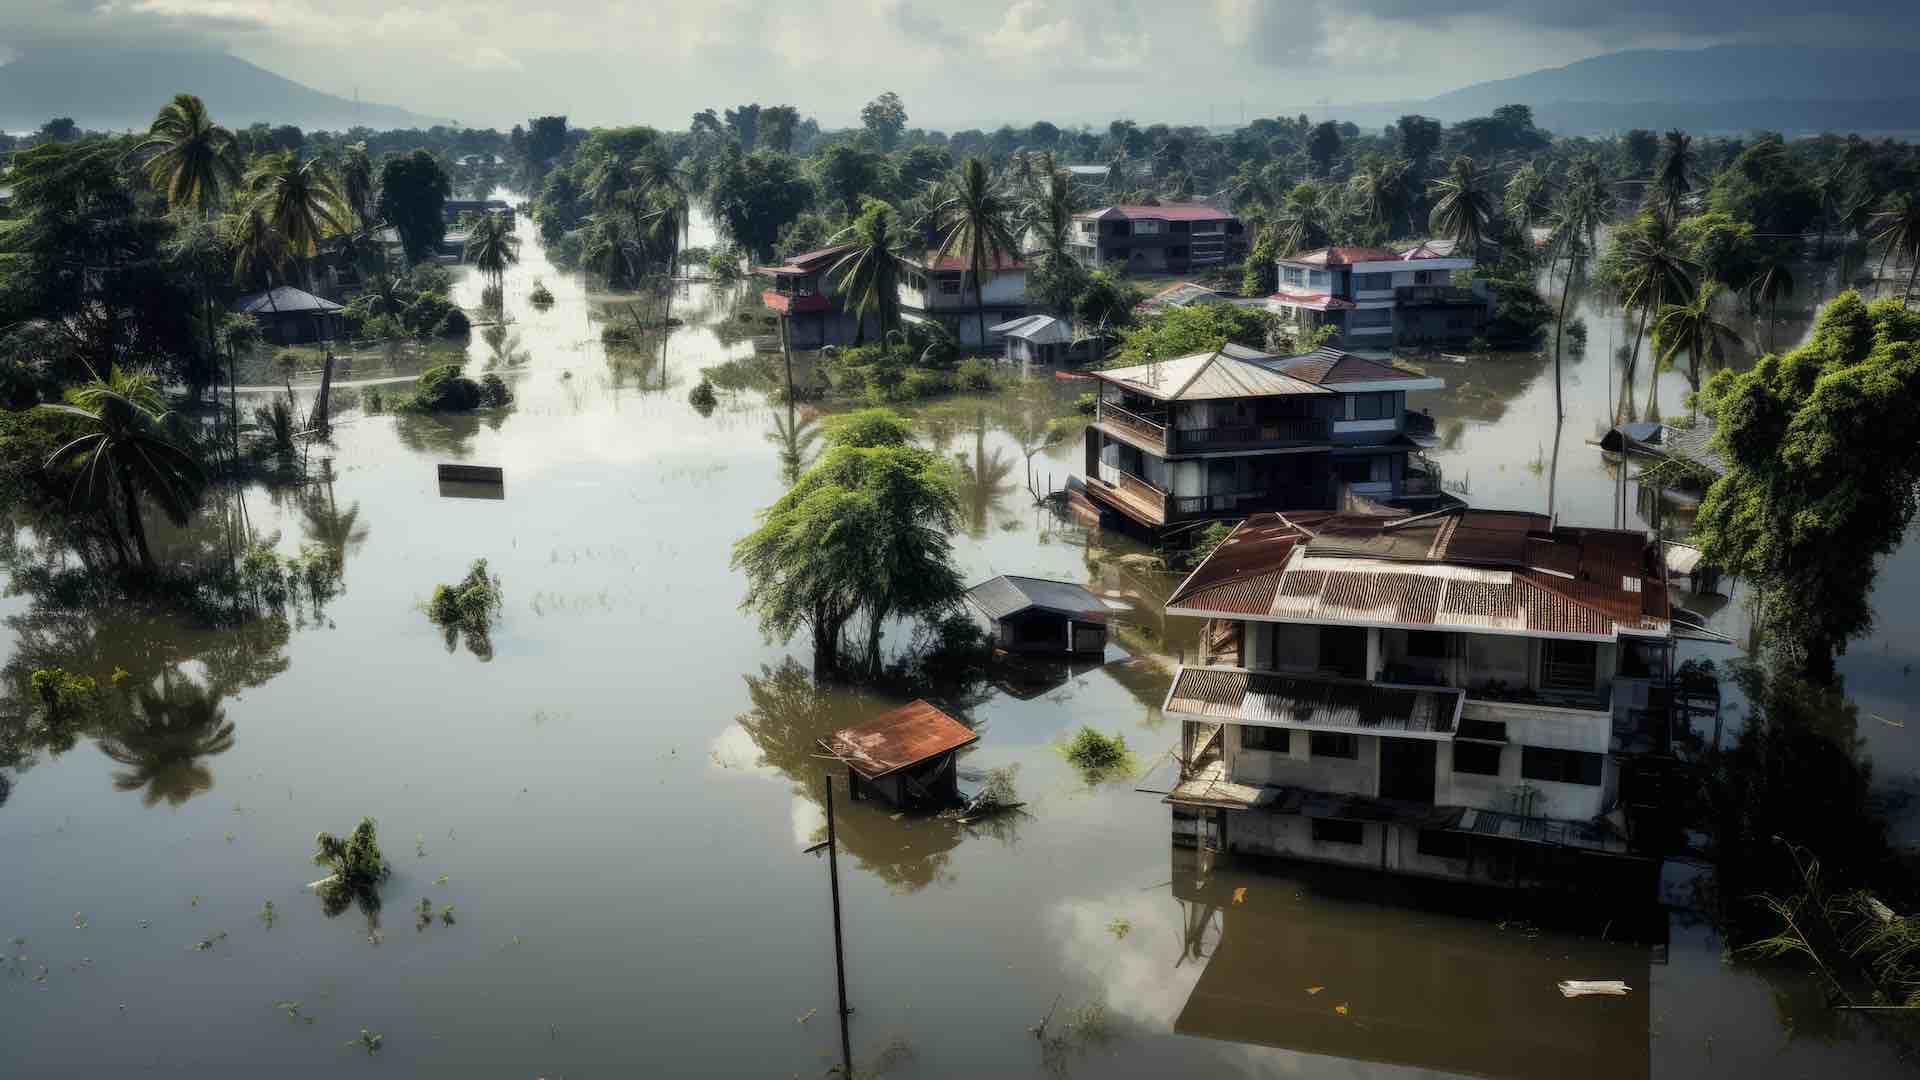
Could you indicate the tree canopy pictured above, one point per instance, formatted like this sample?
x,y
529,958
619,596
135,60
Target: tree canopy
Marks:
x,y
413,194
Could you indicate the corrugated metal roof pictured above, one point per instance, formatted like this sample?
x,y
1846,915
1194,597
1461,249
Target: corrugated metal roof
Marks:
x,y
1329,366
1312,702
1010,594
897,739
1343,256
1181,212
807,262
1207,377
1038,329
283,300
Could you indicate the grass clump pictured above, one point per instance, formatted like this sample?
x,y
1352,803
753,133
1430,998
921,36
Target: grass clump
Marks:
x,y
1098,756
468,607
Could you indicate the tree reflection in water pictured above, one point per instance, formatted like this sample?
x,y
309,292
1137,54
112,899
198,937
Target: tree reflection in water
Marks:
x,y
171,727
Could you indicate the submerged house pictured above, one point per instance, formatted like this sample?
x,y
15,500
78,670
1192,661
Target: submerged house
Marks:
x,y
940,289
1036,339
1037,617
1234,431
290,316
1375,298
803,290
905,757
1464,694
1156,239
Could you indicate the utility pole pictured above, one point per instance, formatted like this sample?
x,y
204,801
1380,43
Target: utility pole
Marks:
x,y
839,949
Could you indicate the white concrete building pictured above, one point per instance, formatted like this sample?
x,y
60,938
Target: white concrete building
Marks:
x,y
1378,297
935,289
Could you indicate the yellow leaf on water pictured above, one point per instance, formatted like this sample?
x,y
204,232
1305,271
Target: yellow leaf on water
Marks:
x,y
1315,989
1240,895
1341,1008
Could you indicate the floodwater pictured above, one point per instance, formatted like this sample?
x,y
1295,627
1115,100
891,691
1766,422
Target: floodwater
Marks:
x,y
616,803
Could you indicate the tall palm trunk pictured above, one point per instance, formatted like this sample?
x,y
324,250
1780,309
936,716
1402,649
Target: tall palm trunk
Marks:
x,y
980,309
134,525
1625,405
1559,334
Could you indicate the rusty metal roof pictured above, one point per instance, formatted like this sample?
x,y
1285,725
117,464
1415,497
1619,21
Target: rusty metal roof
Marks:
x,y
1473,570
1313,702
895,740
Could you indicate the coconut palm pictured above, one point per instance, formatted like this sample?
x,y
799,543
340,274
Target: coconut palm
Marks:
x,y
975,222
1047,220
868,274
356,185
1306,219
195,161
1526,199
300,200
1693,329
1767,288
1655,272
491,247
1464,203
1895,227
128,453
1570,224
1384,192
1676,171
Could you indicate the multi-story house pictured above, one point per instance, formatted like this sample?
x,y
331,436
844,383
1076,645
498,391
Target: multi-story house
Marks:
x,y
1234,431
1156,239
1375,298
1450,694
941,289
805,292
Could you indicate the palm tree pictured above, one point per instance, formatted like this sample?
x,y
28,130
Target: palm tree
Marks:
x,y
1526,199
179,723
356,185
300,200
1767,288
128,448
1895,227
332,528
1692,328
196,160
491,247
1569,226
1464,203
1656,271
1047,220
258,250
1306,219
868,274
975,220
1675,172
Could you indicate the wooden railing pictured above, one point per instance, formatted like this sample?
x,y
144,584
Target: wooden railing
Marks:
x,y
1133,423
1286,429
1149,500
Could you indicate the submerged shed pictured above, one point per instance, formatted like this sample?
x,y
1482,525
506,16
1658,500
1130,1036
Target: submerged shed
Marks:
x,y
905,756
1038,617
288,316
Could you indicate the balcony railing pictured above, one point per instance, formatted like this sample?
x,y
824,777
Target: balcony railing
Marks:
x,y
1436,294
1294,497
1141,427
1291,429
1148,502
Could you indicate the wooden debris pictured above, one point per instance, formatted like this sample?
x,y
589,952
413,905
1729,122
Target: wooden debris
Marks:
x,y
1583,987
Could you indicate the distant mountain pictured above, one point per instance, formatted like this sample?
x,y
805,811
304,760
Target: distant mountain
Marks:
x,y
113,90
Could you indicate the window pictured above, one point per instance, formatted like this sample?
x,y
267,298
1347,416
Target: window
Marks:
x,y
1354,470
950,284
1485,730
1293,275
1426,277
1372,406
1442,844
1121,228
1372,282
1568,665
1271,739
1148,228
1178,251
1317,279
1480,759
1323,744
1427,644
1177,227
1560,766
1089,227
1209,226
1372,316
1337,832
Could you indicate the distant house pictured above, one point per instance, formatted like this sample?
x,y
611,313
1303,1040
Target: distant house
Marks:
x,y
941,290
453,208
1376,297
1184,294
1038,617
804,291
905,756
289,316
1038,339
1156,239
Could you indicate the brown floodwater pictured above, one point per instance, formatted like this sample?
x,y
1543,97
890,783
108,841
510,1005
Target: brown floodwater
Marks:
x,y
616,802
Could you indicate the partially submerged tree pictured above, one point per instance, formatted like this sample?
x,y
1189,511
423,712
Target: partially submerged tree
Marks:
x,y
357,868
491,247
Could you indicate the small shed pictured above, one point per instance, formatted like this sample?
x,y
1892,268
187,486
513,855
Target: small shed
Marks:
x,y
1038,617
906,756
288,316
1039,339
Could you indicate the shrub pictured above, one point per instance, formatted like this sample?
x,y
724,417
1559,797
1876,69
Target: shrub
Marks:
x,y
374,400
385,328
1086,404
494,390
453,324
445,389
702,397
427,311
921,384
358,868
868,428
541,295
1098,756
469,605
975,374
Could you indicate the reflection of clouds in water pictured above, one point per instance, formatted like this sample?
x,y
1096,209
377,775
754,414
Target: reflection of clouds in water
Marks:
x,y
809,822
734,750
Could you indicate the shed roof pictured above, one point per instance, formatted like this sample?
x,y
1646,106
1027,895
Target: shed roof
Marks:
x,y
1343,256
1010,594
807,262
1038,329
1227,372
898,739
933,260
284,300
1186,293
1474,570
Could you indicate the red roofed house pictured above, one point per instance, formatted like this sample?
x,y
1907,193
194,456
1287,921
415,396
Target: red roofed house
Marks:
x,y
936,289
1376,297
1455,694
806,290
1156,239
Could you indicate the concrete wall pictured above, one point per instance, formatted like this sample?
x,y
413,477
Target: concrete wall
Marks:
x,y
1299,768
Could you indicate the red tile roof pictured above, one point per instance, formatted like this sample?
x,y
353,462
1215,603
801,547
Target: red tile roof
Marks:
x,y
895,740
1179,212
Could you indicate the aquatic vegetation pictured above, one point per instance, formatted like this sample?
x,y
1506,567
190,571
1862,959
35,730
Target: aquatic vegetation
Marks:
x,y
207,944
1120,927
368,1040
444,389
423,915
61,691
447,916
702,397
373,400
358,869
541,296
268,915
292,1009
468,606
1098,757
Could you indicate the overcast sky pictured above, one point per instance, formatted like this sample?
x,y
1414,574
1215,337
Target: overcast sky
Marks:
x,y
959,64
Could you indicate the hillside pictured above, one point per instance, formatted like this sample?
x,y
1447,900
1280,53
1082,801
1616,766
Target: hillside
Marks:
x,y
112,90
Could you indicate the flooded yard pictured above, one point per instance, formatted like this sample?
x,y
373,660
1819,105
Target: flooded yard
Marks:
x,y
606,818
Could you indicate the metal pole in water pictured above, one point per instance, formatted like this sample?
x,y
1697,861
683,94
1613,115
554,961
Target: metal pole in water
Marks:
x,y
839,950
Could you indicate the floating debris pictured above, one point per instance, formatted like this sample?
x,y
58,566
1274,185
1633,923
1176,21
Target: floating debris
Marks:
x,y
1315,989
1240,895
79,921
1119,928
808,1015
446,916
207,944
1583,987
1341,1008
441,880
267,915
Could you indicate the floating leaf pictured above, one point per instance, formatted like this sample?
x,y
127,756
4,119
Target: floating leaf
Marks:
x,y
809,1015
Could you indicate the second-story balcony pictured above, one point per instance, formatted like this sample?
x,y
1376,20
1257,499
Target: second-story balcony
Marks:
x,y
1437,294
1151,432
791,295
1148,431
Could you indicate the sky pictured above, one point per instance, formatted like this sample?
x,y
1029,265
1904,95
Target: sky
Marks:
x,y
970,63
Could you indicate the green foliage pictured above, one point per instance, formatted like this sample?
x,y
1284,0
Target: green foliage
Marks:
x,y
61,691
541,296
1086,404
1821,474
357,868
1185,331
275,424
868,428
702,397
753,196
1519,313
723,264
444,389
1724,249
976,375
1202,545
413,192
468,606
1098,757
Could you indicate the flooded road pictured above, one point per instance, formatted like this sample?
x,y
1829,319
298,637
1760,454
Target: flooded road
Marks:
x,y
616,802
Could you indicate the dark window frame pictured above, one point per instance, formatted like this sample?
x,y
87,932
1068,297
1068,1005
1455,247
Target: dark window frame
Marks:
x,y
1257,737
1333,744
1557,766
1429,645
1441,844
1332,831
1472,758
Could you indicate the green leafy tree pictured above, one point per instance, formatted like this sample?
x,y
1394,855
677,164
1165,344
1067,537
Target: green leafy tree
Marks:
x,y
884,118
848,174
1676,171
357,186
194,161
128,454
1419,138
753,195
1306,220
414,189
1197,328
1822,471
1046,218
975,223
1766,289
868,274
777,125
1323,146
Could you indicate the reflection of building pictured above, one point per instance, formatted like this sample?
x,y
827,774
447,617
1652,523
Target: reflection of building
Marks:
x,y
1456,694
1226,433
1421,989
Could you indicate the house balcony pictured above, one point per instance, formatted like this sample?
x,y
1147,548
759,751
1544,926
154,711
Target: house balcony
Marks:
x,y
1141,430
1261,434
795,302
1438,294
1131,496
